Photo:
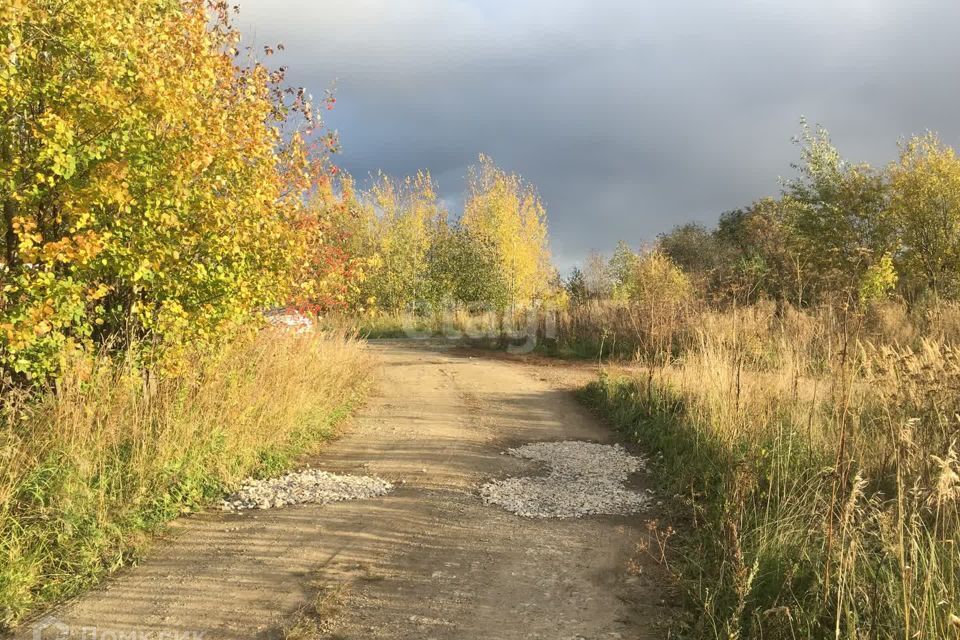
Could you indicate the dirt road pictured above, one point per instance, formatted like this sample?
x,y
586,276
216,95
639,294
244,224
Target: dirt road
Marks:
x,y
429,560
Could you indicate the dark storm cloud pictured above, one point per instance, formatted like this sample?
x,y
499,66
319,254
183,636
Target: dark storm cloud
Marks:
x,y
630,117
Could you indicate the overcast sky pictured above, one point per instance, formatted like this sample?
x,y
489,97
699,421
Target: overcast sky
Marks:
x,y
629,116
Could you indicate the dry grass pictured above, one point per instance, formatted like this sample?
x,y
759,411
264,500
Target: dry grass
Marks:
x,y
318,619
814,461
764,334
114,452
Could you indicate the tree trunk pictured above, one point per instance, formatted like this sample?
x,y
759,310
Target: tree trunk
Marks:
x,y
9,213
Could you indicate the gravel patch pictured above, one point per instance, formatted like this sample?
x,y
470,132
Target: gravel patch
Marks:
x,y
310,485
584,479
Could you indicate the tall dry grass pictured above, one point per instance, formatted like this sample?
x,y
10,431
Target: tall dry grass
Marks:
x,y
89,470
813,458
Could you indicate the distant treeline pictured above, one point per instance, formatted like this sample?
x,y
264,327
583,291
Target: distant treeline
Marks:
x,y
838,232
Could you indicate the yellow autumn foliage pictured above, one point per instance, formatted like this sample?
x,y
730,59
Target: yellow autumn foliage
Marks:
x,y
146,189
505,213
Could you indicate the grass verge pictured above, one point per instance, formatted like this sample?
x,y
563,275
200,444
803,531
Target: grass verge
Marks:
x,y
93,468
805,508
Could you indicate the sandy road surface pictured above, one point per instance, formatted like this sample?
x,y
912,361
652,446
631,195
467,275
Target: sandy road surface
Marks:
x,y
426,561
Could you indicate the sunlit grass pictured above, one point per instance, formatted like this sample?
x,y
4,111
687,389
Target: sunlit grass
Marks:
x,y
89,470
816,486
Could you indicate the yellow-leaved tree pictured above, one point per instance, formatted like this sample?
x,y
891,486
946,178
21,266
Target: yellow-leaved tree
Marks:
x,y
505,214
925,203
146,189
406,216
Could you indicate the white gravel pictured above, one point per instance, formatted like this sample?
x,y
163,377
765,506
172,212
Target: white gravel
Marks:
x,y
584,479
310,485
292,321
